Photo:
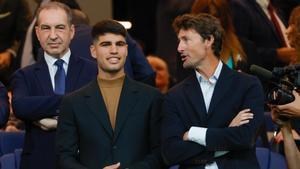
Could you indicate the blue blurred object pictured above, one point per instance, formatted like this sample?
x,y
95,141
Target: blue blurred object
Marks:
x,y
8,161
270,160
9,141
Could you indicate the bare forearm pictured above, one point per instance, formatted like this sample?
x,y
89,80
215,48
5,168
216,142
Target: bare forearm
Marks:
x,y
290,148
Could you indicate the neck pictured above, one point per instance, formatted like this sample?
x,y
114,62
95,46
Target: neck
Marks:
x,y
110,75
208,68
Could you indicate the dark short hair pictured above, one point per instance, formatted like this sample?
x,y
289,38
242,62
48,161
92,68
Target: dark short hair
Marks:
x,y
108,26
205,25
55,5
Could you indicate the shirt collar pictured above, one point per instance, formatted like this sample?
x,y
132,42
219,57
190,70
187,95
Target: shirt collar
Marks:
x,y
51,60
263,3
213,79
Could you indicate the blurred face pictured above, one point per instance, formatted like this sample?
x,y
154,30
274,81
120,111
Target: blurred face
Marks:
x,y
192,48
162,74
110,51
54,32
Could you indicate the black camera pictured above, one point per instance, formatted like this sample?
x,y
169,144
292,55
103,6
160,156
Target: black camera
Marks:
x,y
282,80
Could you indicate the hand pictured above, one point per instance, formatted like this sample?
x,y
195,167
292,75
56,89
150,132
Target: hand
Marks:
x,y
291,109
186,136
287,55
277,117
114,166
279,137
5,60
243,117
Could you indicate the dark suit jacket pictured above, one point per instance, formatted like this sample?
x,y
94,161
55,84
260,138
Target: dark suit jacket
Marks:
x,y
34,99
184,107
4,105
85,138
251,23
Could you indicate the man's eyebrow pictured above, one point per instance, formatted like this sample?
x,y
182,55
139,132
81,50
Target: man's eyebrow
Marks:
x,y
105,42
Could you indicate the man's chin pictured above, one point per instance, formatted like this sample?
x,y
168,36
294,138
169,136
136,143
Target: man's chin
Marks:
x,y
187,66
55,53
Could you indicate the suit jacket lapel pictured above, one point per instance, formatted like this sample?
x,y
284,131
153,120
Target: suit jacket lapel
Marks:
x,y
195,97
127,101
222,86
96,103
42,74
73,73
268,21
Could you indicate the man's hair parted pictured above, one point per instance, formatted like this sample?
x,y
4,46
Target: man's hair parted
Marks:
x,y
205,25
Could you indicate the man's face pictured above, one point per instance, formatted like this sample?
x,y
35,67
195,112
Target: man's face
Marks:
x,y
110,51
54,32
192,48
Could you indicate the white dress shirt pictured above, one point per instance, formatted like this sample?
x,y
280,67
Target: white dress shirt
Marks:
x,y
53,68
198,134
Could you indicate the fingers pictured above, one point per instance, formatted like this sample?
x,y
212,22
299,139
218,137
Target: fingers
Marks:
x,y
114,166
244,122
244,111
243,117
278,138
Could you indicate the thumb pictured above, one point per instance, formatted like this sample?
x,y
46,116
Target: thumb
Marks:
x,y
117,165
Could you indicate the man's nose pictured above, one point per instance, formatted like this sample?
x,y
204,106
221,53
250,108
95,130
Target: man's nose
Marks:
x,y
53,34
113,49
180,47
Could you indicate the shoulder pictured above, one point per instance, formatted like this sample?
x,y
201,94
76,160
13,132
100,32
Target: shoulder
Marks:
x,y
244,83
180,87
87,64
245,78
30,68
141,87
86,90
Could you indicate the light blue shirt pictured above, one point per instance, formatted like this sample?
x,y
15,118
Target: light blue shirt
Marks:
x,y
50,60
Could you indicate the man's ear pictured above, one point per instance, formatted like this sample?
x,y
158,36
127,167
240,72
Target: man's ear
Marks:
x,y
36,28
210,41
93,51
72,29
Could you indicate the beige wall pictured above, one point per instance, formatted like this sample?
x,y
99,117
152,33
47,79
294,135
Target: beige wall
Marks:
x,y
96,9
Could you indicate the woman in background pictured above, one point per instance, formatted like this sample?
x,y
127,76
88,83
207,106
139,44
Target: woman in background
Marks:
x,y
232,52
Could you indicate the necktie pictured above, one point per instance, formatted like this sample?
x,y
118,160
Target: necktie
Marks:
x,y
60,77
276,23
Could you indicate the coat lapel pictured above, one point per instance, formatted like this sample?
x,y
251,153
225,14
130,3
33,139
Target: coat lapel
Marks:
x,y
195,97
127,101
42,74
223,84
96,103
74,69
268,21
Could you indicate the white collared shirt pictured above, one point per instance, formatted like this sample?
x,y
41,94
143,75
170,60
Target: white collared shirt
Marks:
x,y
53,68
208,85
198,134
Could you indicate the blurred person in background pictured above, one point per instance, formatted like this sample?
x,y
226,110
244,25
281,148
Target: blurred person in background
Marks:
x,y
232,53
15,17
4,105
160,67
